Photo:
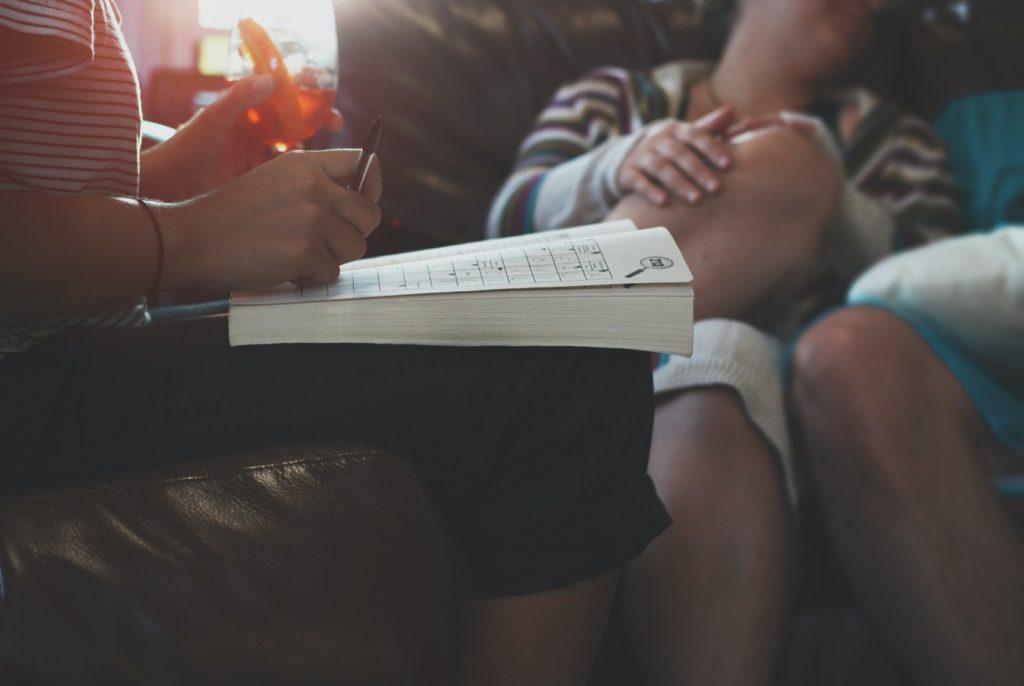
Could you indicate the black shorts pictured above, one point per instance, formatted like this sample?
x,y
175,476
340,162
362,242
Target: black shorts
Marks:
x,y
536,457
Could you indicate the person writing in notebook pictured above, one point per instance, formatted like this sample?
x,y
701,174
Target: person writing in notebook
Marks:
x,y
87,390
779,191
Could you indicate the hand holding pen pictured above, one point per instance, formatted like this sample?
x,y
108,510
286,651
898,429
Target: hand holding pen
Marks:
x,y
369,149
295,218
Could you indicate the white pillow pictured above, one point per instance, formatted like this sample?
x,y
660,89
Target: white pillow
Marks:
x,y
970,288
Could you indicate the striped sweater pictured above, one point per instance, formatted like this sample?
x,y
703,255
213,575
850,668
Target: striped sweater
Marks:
x,y
70,118
899,192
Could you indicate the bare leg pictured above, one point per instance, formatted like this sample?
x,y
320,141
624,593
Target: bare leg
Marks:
x,y
538,639
708,600
756,245
896,451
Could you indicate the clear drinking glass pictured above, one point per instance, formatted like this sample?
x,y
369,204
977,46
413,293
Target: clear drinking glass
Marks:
x,y
296,42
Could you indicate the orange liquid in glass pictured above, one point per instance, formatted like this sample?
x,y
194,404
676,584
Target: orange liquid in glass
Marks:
x,y
264,123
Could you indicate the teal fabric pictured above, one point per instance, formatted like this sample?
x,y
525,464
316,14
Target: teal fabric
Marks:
x,y
984,135
1001,407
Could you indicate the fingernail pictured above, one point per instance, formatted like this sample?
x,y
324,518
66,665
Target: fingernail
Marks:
x,y
711,185
723,162
693,197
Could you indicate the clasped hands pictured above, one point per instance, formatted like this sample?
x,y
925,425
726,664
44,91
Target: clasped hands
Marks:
x,y
687,159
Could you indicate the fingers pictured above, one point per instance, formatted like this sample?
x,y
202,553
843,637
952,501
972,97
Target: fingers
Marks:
x,y
711,147
332,242
325,271
335,123
241,96
374,187
698,170
340,165
342,218
718,121
678,158
345,243
358,209
633,179
353,208
679,170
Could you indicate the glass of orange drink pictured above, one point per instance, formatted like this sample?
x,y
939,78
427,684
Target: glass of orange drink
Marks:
x,y
296,42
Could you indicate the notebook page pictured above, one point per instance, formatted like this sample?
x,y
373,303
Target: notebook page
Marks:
x,y
628,258
495,243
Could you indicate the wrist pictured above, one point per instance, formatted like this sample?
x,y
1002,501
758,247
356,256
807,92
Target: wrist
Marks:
x,y
182,268
615,160
152,177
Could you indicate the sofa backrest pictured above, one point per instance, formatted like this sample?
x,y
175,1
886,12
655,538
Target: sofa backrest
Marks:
x,y
459,82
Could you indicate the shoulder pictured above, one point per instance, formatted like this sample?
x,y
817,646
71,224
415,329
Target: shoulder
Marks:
x,y
71,20
46,38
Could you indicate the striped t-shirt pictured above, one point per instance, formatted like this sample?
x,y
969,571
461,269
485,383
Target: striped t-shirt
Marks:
x,y
70,120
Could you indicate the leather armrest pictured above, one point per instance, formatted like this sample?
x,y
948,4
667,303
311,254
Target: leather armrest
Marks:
x,y
312,564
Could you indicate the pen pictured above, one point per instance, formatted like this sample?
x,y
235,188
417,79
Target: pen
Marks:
x,y
369,148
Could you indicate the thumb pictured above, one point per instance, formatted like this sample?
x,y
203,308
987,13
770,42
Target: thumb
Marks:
x,y
717,122
242,95
339,164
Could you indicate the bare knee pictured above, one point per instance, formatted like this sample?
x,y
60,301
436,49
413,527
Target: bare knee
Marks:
x,y
704,441
780,181
767,223
792,172
860,362
864,382
711,413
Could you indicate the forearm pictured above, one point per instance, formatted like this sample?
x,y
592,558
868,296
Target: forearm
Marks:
x,y
510,213
584,190
168,170
567,136
159,179
60,254
290,220
580,190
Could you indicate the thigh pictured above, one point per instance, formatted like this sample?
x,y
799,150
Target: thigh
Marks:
x,y
103,401
875,364
535,456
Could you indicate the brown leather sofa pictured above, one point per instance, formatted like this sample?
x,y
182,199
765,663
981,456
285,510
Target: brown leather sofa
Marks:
x,y
307,564
325,563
